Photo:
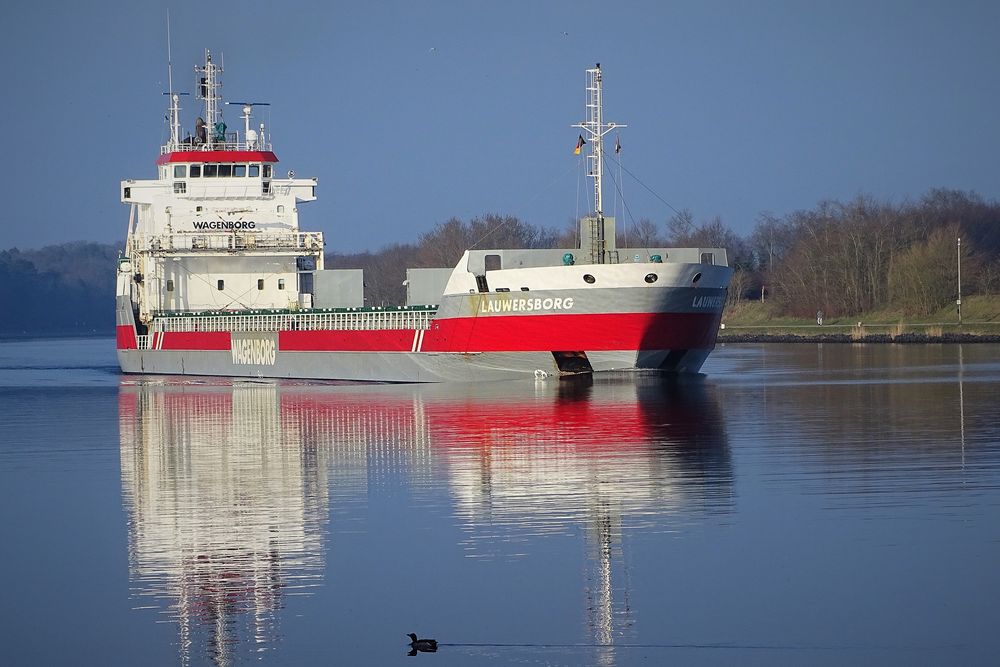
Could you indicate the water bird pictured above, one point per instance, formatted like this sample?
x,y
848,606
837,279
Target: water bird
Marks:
x,y
423,645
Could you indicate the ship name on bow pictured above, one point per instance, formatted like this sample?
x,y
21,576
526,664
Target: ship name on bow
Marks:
x,y
708,302
525,305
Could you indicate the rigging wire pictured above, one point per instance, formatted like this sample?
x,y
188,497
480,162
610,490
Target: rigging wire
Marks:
x,y
576,220
530,200
651,191
618,190
619,194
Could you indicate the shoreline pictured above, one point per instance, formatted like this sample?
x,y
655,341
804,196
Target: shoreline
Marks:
x,y
879,338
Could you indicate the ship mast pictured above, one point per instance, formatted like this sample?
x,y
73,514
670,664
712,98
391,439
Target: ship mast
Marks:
x,y
175,107
596,128
208,85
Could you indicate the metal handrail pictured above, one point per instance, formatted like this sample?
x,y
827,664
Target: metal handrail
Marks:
x,y
216,146
361,320
226,240
200,188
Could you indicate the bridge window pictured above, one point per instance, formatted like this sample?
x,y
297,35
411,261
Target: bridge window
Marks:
x,y
267,171
281,283
222,285
225,170
211,170
180,171
195,171
492,262
254,170
170,285
708,258
260,283
239,170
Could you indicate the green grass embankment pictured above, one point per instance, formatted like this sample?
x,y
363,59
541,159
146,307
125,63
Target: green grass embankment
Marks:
x,y
754,320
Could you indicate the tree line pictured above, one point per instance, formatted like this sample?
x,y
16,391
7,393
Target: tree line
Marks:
x,y
66,289
844,258
848,258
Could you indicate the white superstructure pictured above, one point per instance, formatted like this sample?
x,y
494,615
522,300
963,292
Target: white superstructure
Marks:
x,y
218,229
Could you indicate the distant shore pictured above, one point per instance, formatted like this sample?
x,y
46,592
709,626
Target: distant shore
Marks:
x,y
750,322
901,339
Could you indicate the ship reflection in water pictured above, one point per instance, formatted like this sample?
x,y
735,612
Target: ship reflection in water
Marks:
x,y
235,491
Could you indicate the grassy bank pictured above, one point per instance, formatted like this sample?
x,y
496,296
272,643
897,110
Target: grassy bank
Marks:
x,y
980,317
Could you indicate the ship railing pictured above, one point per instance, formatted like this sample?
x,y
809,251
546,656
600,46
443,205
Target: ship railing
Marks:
x,y
360,320
227,241
142,342
232,143
256,190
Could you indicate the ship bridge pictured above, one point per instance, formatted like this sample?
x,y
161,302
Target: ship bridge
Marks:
x,y
218,227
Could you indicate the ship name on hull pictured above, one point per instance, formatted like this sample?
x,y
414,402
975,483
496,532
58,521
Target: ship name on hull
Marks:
x,y
250,350
525,305
714,302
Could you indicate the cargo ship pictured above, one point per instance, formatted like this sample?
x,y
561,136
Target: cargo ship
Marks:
x,y
217,278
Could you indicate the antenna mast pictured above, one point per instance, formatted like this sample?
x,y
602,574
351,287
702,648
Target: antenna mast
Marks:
x,y
596,128
208,86
175,109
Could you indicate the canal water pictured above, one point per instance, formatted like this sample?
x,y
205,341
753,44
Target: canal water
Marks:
x,y
796,504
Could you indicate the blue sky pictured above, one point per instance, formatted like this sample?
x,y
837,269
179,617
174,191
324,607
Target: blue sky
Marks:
x,y
413,112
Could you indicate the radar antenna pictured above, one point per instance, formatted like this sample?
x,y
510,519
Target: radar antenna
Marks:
x,y
250,135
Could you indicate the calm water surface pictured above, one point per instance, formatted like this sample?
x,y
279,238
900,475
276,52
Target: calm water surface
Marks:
x,y
799,504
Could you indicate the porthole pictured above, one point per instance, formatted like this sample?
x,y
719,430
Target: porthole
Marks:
x,y
589,279
697,277
650,278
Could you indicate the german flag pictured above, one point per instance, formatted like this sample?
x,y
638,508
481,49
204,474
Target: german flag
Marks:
x,y
579,144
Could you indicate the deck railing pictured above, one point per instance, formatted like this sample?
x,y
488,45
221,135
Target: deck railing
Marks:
x,y
226,241
361,320
232,143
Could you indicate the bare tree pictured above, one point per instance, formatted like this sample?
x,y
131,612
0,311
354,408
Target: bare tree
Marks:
x,y
643,234
680,226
